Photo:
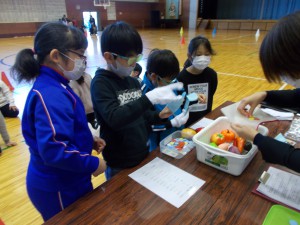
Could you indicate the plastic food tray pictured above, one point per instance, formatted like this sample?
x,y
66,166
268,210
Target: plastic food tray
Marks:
x,y
172,151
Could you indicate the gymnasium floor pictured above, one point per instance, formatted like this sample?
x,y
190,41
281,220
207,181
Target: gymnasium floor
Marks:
x,y
239,74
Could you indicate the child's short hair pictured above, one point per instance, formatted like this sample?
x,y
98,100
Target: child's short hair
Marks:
x,y
122,39
138,68
163,63
196,42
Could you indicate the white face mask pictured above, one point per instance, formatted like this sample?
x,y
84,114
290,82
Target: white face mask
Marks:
x,y
290,81
78,70
120,70
201,62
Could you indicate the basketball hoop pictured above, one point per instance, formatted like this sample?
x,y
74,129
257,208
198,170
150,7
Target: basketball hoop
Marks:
x,y
104,3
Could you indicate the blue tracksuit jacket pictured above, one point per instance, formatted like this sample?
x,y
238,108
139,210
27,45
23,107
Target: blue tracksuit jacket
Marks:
x,y
55,129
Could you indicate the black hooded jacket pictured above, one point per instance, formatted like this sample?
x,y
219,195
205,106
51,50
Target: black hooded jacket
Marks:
x,y
125,117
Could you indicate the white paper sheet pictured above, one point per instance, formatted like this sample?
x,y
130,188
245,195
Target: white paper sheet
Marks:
x,y
235,117
279,115
167,181
282,186
202,123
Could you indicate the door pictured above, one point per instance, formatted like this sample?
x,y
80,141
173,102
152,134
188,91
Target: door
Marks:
x,y
86,18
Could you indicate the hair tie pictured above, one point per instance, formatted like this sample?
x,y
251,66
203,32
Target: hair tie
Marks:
x,y
34,54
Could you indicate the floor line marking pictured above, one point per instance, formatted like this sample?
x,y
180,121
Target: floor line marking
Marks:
x,y
2,60
249,77
283,86
238,75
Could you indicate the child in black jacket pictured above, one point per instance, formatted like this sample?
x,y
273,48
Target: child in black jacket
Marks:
x,y
125,116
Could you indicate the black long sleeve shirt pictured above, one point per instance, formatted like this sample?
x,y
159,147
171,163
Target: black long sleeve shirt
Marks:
x,y
125,117
274,151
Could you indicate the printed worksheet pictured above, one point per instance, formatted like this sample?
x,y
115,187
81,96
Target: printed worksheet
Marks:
x,y
167,181
283,187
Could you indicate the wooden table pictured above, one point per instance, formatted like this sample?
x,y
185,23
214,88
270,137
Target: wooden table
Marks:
x,y
223,199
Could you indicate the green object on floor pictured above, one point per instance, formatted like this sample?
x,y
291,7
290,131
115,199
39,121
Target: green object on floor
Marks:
x,y
279,215
7,147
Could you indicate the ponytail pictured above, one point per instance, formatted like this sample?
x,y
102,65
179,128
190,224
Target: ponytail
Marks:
x,y
49,36
26,67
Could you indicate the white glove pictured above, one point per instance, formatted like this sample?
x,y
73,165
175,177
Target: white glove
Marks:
x,y
181,119
164,95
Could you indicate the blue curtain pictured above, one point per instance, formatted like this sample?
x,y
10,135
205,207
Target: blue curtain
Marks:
x,y
256,9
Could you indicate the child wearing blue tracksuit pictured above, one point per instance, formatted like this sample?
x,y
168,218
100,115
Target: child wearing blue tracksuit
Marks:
x,y
162,69
54,124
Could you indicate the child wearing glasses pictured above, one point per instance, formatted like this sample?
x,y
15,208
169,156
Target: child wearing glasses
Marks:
x,y
124,114
197,77
162,70
54,124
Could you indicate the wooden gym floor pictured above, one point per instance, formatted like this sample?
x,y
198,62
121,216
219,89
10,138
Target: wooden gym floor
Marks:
x,y
239,74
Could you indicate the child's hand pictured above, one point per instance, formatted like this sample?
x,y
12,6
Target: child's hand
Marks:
x,y
165,113
101,167
99,144
13,108
164,95
11,143
181,119
201,98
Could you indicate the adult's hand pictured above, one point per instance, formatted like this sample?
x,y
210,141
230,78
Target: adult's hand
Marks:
x,y
243,131
252,101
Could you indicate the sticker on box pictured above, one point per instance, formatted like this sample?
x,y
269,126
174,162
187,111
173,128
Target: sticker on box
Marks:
x,y
217,160
178,143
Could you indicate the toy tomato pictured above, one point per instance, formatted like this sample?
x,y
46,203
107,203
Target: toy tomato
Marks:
x,y
229,135
198,129
217,138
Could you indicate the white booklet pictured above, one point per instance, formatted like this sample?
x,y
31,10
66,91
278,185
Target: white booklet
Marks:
x,y
167,181
282,186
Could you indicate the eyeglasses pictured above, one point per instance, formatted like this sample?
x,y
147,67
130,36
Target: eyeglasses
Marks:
x,y
83,57
130,60
166,82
